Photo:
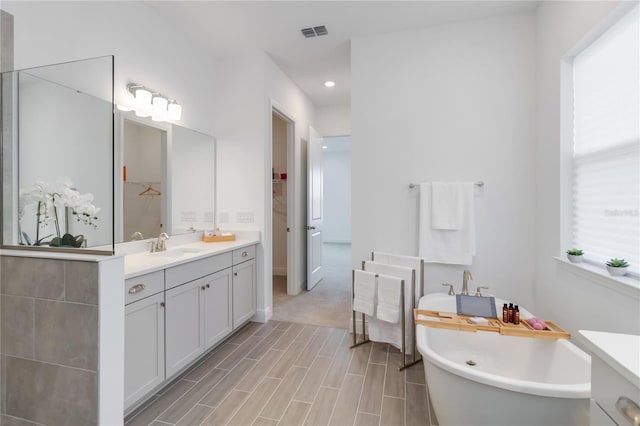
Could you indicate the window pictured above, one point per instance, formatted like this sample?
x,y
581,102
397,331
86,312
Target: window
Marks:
x,y
606,145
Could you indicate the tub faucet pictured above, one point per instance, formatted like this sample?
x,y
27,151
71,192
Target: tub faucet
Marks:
x,y
466,275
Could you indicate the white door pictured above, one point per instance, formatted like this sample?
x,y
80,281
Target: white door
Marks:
x,y
244,297
183,322
217,307
314,209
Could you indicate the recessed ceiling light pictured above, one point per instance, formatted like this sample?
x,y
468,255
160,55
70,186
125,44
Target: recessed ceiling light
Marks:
x,y
329,83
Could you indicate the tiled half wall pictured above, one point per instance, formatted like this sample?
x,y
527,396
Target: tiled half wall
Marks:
x,y
49,341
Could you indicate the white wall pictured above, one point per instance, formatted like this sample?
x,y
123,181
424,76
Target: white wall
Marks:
x,y
452,103
576,300
247,85
337,190
333,120
146,50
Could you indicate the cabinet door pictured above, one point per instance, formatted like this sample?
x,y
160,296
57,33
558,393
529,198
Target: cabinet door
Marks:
x,y
144,347
183,325
244,293
217,307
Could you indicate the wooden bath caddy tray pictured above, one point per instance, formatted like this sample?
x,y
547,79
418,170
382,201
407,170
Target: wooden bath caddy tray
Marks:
x,y
453,321
219,238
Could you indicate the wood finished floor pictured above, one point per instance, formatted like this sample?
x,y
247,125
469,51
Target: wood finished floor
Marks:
x,y
282,373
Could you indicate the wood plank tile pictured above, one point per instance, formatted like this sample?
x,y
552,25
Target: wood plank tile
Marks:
x,y
227,408
282,397
282,366
371,400
416,405
415,373
150,413
365,419
211,362
360,359
244,333
242,351
219,392
288,337
254,405
196,415
311,350
344,412
311,383
394,379
266,328
379,353
174,413
307,332
266,344
339,366
332,343
260,370
295,413
261,421
392,411
322,407
283,325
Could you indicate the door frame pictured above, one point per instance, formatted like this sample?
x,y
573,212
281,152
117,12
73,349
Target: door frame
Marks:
x,y
293,183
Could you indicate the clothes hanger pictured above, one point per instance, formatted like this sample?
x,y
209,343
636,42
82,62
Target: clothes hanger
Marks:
x,y
150,191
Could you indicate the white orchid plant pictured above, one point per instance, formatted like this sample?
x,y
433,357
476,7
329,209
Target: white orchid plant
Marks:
x,y
49,200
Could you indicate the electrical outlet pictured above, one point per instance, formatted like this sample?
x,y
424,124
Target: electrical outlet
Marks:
x,y
223,217
208,216
244,217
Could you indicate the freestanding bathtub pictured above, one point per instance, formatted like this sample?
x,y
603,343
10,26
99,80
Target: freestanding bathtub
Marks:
x,y
484,378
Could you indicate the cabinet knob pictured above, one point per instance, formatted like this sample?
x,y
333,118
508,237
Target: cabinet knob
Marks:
x,y
245,254
629,410
208,286
162,304
235,274
203,287
136,288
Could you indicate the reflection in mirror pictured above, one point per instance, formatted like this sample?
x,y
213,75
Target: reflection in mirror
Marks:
x,y
57,146
167,179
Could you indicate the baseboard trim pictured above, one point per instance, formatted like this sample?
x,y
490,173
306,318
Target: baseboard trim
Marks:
x,y
263,315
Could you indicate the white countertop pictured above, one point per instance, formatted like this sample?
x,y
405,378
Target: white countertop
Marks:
x,y
620,351
142,263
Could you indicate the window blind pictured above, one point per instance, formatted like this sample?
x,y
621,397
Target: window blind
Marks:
x,y
606,150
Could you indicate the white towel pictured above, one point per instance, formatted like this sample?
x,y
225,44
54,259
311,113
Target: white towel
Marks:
x,y
446,205
364,289
448,246
382,331
389,291
413,262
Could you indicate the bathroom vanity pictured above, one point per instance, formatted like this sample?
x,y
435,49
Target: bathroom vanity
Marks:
x,y
615,377
179,304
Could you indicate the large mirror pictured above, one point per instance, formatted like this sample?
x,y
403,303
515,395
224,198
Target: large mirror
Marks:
x,y
57,146
165,178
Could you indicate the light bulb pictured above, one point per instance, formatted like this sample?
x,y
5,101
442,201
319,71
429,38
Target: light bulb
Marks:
x,y
174,111
143,103
159,108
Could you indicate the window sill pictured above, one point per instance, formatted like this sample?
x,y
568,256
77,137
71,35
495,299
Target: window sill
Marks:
x,y
626,285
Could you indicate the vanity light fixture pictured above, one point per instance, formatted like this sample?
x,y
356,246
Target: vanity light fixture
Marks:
x,y
329,83
174,111
151,103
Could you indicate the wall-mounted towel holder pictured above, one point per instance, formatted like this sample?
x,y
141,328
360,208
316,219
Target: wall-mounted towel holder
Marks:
x,y
478,183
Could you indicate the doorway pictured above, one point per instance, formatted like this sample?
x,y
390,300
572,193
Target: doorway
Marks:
x,y
280,205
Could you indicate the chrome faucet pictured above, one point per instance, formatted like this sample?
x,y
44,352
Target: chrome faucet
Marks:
x,y
466,276
160,244
137,236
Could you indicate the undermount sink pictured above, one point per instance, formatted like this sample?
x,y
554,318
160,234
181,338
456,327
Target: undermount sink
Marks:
x,y
176,252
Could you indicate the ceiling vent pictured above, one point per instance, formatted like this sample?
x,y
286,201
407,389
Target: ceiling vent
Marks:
x,y
315,31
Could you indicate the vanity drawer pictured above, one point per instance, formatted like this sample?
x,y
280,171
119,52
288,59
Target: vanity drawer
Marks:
x,y
244,254
143,286
197,269
607,385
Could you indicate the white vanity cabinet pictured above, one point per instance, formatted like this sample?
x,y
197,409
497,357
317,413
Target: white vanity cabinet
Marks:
x,y
191,326
144,335
244,287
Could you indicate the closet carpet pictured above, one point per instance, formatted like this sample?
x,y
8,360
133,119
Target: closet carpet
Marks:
x,y
328,304
281,373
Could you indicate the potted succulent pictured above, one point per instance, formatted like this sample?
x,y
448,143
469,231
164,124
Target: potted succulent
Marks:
x,y
575,255
617,267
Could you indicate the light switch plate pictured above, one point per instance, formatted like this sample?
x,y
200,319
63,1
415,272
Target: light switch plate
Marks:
x,y
244,217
